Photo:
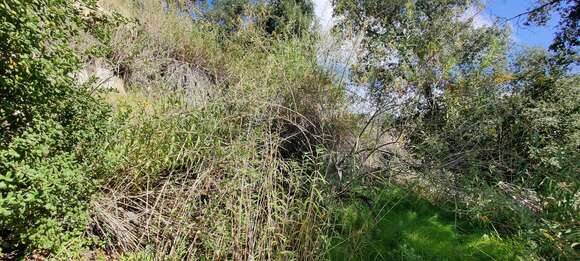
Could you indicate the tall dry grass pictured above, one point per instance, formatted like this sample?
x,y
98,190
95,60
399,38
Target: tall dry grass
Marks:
x,y
218,148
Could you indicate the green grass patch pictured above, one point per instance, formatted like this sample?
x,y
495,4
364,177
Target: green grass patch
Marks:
x,y
398,226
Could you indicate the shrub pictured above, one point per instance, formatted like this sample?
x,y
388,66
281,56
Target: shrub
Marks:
x,y
206,178
518,141
45,120
35,62
44,191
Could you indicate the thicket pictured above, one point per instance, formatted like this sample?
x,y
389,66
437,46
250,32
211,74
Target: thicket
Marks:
x,y
216,150
45,120
495,127
232,141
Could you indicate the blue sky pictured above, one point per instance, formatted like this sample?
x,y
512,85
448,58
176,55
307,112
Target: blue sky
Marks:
x,y
528,35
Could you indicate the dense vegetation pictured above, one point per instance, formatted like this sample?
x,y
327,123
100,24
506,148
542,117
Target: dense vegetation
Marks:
x,y
232,139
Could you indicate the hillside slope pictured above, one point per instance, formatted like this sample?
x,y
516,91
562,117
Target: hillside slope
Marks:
x,y
149,135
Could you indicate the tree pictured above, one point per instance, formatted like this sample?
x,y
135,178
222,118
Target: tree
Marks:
x,y
229,13
567,39
291,17
281,17
418,46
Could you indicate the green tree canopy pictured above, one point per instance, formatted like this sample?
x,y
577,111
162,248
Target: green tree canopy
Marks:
x,y
567,38
420,46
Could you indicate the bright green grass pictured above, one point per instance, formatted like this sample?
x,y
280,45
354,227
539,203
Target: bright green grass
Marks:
x,y
400,227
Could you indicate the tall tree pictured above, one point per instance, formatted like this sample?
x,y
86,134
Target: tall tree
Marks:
x,y
418,46
280,17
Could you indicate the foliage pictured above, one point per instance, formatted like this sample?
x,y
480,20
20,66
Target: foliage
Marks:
x,y
491,125
521,132
551,112
233,143
230,13
286,18
44,191
199,167
292,18
44,119
565,42
520,136
36,61
418,47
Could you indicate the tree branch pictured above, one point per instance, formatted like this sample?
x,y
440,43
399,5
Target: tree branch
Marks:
x,y
535,9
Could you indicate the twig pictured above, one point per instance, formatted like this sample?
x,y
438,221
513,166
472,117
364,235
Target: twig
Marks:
x,y
534,10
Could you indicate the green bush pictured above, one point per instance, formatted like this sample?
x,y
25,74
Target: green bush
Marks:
x,y
522,131
36,61
44,191
46,121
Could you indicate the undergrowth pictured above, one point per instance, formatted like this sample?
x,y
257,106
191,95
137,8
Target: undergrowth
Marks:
x,y
202,185
195,168
397,225
229,144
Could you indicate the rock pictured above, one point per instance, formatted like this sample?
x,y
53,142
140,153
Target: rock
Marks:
x,y
105,78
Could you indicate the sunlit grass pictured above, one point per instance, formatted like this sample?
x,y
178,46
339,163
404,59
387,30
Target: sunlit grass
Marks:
x,y
400,227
